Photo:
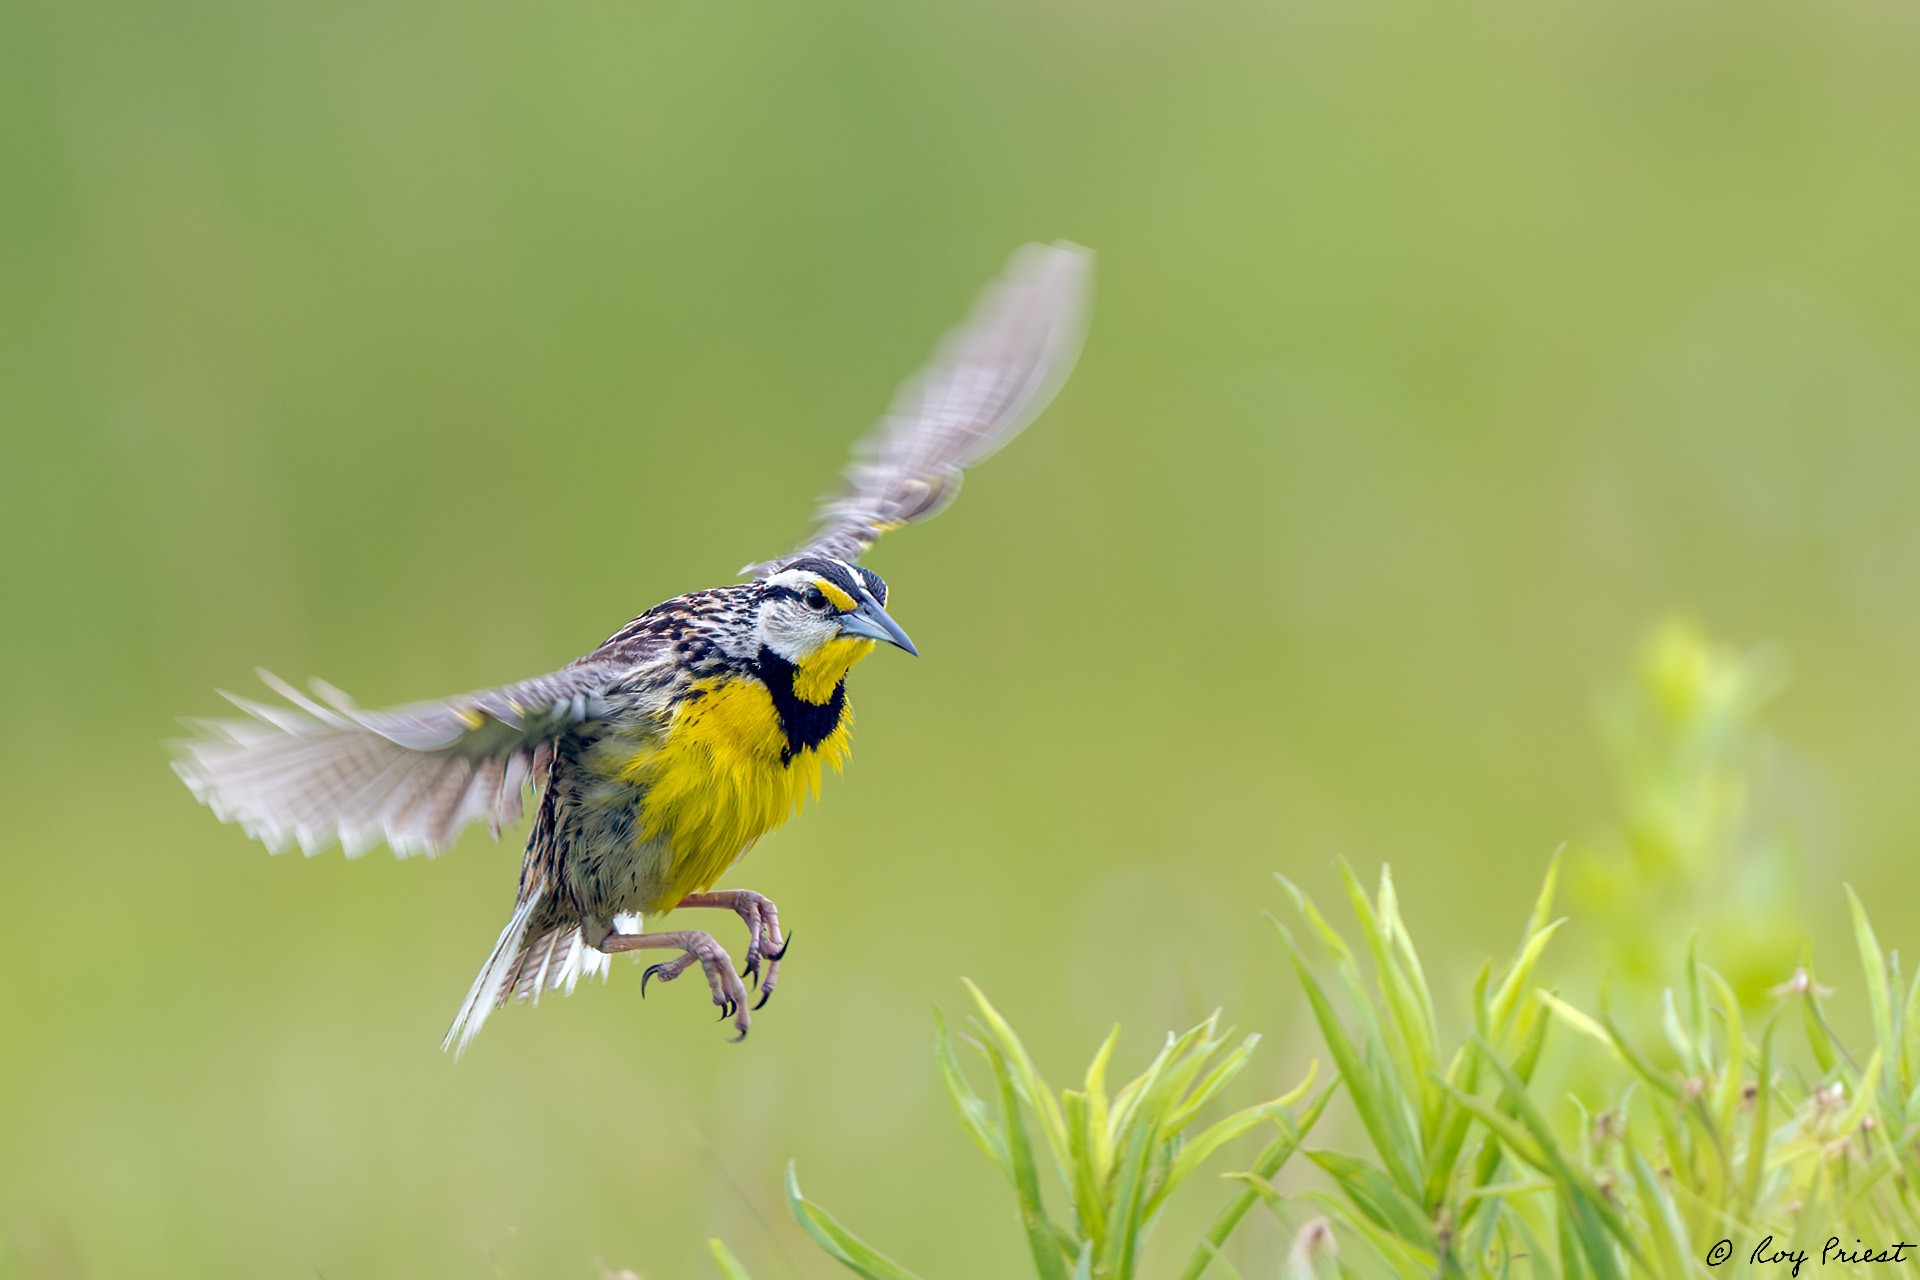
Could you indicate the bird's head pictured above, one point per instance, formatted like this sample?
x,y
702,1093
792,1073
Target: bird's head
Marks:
x,y
823,615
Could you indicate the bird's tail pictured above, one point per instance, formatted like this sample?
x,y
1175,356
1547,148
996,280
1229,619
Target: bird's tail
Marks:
x,y
535,953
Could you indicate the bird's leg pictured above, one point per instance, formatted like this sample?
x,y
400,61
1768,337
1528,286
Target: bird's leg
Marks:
x,y
728,993
764,940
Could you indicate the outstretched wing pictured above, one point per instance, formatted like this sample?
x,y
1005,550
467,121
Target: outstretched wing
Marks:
x,y
319,771
987,380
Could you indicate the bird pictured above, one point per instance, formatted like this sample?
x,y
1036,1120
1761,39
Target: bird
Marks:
x,y
661,757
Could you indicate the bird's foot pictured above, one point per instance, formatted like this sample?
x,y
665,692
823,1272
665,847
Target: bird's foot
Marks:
x,y
729,994
765,942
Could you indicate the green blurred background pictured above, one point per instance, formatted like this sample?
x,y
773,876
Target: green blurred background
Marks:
x,y
418,344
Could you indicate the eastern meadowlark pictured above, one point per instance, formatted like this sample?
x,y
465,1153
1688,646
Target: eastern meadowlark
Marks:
x,y
662,756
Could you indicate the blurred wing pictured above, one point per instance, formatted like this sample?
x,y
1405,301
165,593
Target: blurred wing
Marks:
x,y
320,771
987,380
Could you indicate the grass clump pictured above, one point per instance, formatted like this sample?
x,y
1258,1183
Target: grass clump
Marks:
x,y
1116,1156
1710,1132
1468,1160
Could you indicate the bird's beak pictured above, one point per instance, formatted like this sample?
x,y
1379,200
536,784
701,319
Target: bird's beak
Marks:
x,y
872,622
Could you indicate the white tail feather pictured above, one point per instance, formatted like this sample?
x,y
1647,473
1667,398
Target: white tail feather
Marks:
x,y
521,967
484,996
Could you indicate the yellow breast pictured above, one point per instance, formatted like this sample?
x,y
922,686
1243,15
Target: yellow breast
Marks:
x,y
721,778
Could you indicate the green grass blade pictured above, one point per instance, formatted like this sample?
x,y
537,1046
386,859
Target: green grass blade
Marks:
x,y
1172,1057
1532,1246
1572,1264
1181,1084
1669,1236
1201,1146
1099,1116
1026,1078
1759,1134
1210,1085
1376,1196
1659,1081
1403,947
849,1250
1581,1022
1406,1036
1043,1238
1512,1135
1087,1173
1118,1253
1488,1164
1820,1040
1873,964
1270,1161
1543,903
1732,1067
1384,1122
1516,982
1910,1040
1342,957
1677,1034
972,1109
1865,1090
1697,1029
1463,1074
1886,1015
730,1267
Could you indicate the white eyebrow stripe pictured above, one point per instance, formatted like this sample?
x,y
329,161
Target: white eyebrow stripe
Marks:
x,y
794,578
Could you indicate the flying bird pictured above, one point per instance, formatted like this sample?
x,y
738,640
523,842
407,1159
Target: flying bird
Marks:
x,y
660,758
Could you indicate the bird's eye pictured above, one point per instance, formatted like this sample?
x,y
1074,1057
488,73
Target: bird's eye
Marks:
x,y
815,600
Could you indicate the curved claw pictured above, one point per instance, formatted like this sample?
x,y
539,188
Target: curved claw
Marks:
x,y
766,994
729,994
761,961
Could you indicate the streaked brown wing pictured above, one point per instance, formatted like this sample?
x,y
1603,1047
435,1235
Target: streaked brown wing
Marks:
x,y
987,380
324,770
